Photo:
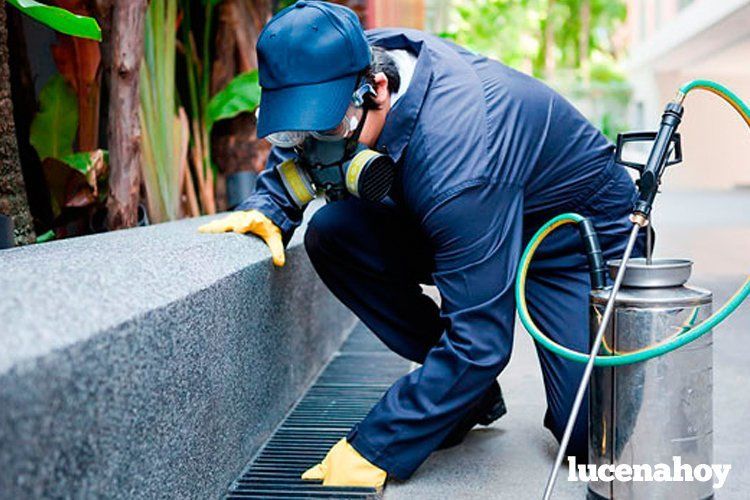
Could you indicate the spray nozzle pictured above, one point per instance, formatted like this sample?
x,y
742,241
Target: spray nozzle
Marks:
x,y
659,158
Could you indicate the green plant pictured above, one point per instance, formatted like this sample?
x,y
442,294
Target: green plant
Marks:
x,y
75,180
53,129
539,36
241,95
59,19
56,126
78,61
165,131
78,180
611,126
505,30
197,65
569,43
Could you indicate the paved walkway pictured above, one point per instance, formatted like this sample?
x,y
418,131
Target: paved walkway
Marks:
x,y
512,458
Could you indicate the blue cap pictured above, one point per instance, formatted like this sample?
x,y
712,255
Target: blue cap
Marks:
x,y
309,57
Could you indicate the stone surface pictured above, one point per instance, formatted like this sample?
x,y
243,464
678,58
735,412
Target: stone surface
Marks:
x,y
512,458
152,362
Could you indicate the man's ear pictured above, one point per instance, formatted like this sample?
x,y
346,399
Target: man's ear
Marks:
x,y
382,95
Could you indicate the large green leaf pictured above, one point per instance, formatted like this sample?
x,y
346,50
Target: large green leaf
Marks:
x,y
60,19
88,162
240,95
54,127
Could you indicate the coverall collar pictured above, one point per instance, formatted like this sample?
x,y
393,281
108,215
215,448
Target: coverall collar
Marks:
x,y
402,117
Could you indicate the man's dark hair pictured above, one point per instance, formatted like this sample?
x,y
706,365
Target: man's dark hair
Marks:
x,y
382,62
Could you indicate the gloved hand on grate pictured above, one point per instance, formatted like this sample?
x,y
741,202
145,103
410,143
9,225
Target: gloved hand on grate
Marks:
x,y
344,466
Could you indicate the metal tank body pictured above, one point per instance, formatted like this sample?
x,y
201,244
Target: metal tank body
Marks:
x,y
650,412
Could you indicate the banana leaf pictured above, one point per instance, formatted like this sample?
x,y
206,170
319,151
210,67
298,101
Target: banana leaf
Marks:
x,y
79,62
60,19
53,129
242,94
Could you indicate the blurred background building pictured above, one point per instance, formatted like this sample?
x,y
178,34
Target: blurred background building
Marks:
x,y
384,13
409,13
673,41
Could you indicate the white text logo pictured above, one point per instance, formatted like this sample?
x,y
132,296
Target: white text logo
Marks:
x,y
677,471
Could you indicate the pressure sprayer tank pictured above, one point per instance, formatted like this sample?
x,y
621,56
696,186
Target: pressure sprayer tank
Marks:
x,y
649,412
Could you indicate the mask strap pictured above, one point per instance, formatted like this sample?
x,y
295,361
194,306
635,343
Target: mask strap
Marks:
x,y
353,141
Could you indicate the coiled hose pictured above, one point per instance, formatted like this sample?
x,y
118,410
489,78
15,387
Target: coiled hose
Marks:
x,y
675,342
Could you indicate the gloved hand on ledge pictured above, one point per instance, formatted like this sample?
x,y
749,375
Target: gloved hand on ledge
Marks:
x,y
251,221
344,466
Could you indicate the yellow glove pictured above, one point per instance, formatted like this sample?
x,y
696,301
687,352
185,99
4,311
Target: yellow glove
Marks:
x,y
344,466
251,221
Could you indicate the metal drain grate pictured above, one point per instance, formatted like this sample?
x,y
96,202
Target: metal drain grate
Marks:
x,y
348,387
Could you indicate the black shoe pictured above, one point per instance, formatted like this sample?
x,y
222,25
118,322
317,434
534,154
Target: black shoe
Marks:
x,y
490,408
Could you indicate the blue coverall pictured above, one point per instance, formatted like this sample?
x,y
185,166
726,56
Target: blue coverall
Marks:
x,y
485,156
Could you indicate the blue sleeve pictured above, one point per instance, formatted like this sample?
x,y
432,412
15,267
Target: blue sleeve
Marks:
x,y
270,196
476,237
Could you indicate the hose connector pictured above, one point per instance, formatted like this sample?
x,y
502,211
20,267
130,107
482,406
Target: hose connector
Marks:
x,y
597,267
639,218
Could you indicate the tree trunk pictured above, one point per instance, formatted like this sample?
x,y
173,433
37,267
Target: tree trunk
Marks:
x,y
13,200
125,128
103,10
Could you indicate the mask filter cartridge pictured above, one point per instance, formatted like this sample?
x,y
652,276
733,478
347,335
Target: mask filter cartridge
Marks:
x,y
368,175
296,182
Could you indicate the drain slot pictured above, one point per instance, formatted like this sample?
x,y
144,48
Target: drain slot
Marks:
x,y
346,390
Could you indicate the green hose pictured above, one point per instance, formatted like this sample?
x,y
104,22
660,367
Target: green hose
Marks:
x,y
675,342
721,91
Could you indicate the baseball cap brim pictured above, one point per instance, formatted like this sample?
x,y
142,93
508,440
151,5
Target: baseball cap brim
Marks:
x,y
317,106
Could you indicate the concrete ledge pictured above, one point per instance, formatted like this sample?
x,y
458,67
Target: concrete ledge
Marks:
x,y
151,362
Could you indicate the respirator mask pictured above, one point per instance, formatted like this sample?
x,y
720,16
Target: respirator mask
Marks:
x,y
333,163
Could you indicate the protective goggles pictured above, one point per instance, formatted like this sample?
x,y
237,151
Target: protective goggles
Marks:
x,y
344,130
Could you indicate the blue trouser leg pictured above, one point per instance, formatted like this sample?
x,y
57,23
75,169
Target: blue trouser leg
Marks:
x,y
558,298
558,302
373,260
